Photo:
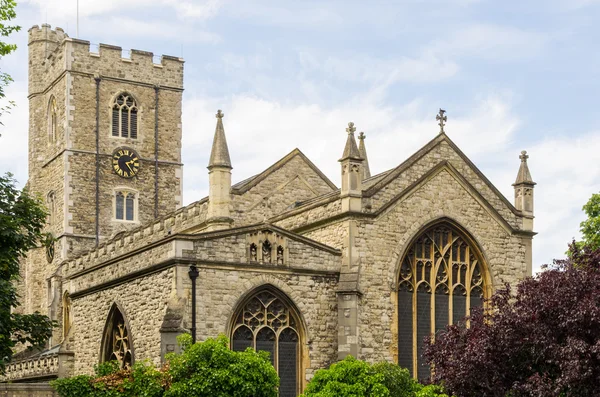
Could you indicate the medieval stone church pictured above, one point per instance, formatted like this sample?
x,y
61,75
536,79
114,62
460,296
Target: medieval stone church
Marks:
x,y
284,261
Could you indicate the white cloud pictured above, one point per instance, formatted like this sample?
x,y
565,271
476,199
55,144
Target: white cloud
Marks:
x,y
61,9
492,42
367,69
14,134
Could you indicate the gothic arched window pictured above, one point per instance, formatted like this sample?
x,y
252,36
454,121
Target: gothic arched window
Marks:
x,y
125,205
441,278
124,117
52,120
116,341
266,322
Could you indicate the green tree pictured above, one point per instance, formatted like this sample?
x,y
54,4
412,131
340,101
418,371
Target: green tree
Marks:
x,y
590,228
7,14
22,218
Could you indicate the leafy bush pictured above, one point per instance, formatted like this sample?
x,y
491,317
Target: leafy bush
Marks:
x,y
354,378
203,369
212,369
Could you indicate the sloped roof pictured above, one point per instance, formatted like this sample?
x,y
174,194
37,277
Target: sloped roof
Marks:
x,y
247,184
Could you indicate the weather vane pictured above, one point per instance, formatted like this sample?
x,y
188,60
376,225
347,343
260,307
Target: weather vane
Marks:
x,y
442,120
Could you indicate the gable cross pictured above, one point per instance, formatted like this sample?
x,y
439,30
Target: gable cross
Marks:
x,y
442,120
351,128
219,114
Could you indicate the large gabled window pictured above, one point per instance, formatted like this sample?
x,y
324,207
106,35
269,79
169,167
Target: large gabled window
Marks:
x,y
442,276
124,117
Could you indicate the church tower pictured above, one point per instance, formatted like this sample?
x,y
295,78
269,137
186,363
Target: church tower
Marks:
x,y
104,147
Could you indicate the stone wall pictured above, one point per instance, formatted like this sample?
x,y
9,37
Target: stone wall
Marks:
x,y
293,181
220,291
144,302
27,390
382,243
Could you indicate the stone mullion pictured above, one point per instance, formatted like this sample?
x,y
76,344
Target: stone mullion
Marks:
x,y
451,280
414,312
468,278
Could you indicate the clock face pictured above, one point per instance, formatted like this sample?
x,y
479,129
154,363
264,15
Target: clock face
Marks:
x,y
125,162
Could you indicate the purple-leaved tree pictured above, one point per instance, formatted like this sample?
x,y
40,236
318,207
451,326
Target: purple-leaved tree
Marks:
x,y
543,340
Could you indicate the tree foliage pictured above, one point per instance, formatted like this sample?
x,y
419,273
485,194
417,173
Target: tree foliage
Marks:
x,y
590,228
542,341
354,378
22,218
203,369
7,14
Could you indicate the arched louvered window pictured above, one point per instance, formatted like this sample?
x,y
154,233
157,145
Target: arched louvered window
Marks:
x,y
442,276
266,322
125,205
52,120
116,341
125,117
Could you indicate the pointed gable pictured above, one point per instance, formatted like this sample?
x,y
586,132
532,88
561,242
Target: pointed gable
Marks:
x,y
287,183
440,149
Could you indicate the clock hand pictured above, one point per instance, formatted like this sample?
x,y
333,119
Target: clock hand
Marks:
x,y
127,163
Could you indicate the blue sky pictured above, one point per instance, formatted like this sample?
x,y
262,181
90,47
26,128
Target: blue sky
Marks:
x,y
512,75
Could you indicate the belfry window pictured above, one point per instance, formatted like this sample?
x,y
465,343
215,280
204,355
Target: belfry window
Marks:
x,y
125,205
441,279
266,322
116,341
52,120
124,117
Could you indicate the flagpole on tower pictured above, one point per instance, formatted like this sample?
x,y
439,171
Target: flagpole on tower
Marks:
x,y
77,28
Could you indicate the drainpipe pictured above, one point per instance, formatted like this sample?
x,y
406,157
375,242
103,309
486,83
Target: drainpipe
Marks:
x,y
156,151
193,273
97,79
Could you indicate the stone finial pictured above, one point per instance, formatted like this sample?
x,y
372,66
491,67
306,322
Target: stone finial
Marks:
x,y
219,155
351,128
524,176
442,118
351,150
363,153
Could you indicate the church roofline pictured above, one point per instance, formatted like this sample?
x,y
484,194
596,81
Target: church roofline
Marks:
x,y
422,152
249,183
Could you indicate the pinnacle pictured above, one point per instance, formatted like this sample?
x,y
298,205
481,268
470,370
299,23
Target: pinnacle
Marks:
x,y
351,150
524,176
219,155
363,153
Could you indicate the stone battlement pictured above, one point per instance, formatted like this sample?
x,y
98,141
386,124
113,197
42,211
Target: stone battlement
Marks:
x,y
36,367
183,219
47,46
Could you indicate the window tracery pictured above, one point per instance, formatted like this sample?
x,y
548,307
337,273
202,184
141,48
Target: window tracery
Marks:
x,y
265,322
124,117
441,279
116,341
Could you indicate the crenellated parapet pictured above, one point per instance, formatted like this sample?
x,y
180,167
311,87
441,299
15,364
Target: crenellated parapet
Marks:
x,y
52,52
185,219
